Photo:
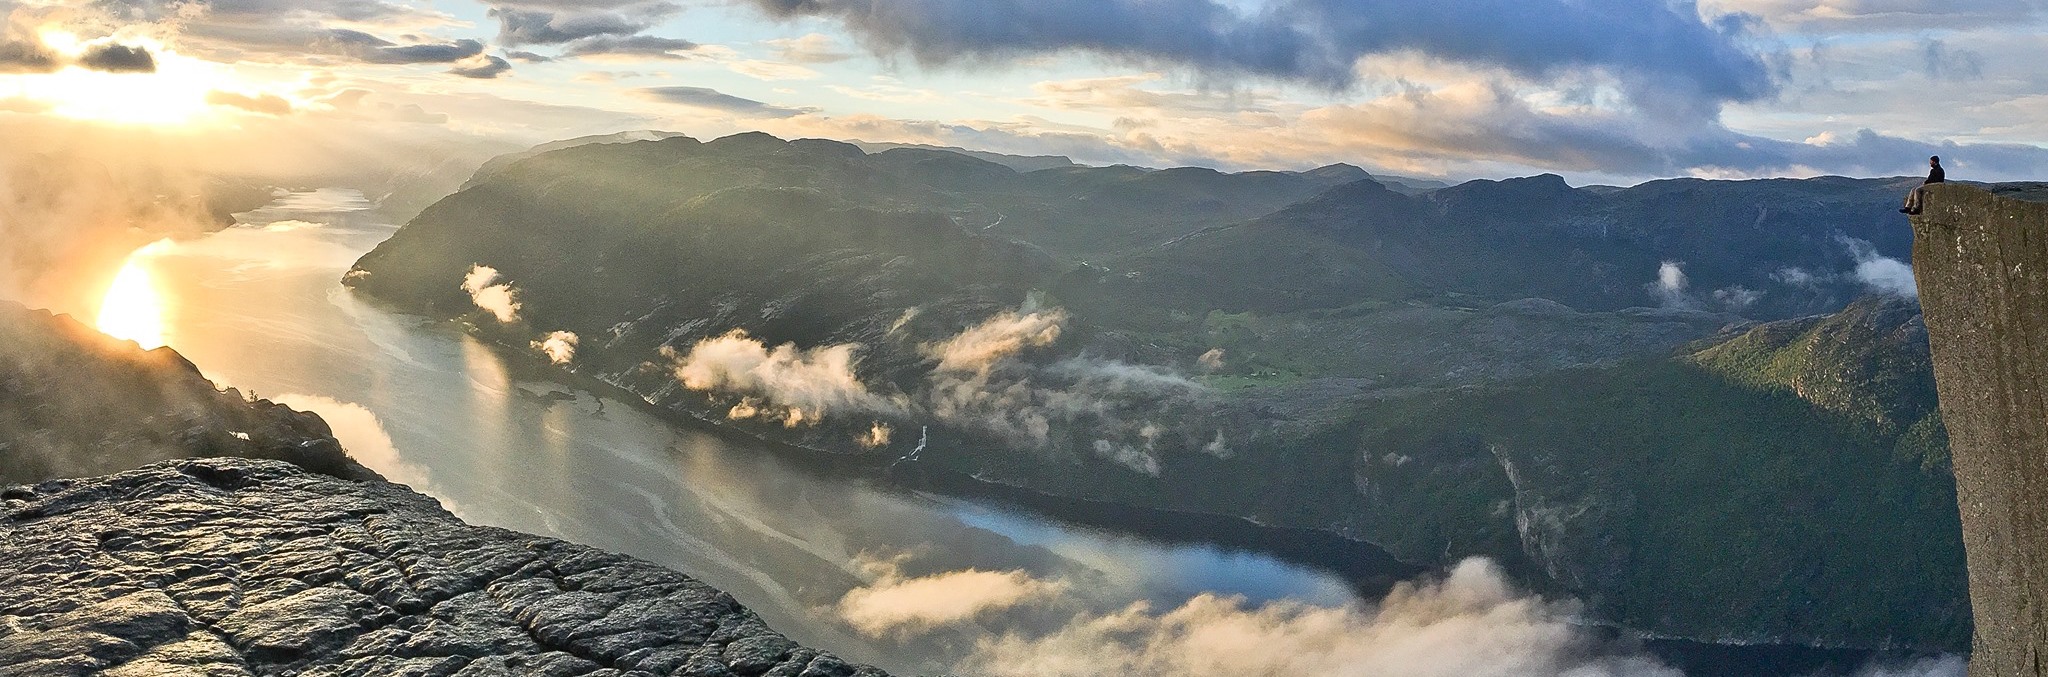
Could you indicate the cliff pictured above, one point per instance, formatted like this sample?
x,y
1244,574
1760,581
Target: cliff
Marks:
x,y
1982,264
250,567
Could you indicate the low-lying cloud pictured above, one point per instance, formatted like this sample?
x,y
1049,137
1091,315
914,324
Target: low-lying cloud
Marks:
x,y
499,299
1670,286
1881,273
559,347
820,381
998,338
893,605
988,379
1471,623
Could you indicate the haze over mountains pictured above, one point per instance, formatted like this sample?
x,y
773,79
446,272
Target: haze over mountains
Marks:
x,y
1572,381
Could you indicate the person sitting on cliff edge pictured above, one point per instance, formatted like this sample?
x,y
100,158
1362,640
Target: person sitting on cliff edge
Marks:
x,y
1915,199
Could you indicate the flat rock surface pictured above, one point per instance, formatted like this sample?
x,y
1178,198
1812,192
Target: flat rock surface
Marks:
x,y
249,567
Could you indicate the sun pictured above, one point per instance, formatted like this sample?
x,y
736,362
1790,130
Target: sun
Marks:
x,y
176,93
133,309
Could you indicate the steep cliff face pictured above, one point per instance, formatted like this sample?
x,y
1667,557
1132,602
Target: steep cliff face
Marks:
x,y
1982,263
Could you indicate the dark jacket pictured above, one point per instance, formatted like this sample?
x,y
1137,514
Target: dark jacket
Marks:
x,y
1935,175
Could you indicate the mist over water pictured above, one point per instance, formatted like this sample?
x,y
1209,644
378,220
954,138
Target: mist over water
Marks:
x,y
910,582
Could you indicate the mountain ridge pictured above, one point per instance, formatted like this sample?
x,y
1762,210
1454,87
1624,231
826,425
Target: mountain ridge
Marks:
x,y
1110,365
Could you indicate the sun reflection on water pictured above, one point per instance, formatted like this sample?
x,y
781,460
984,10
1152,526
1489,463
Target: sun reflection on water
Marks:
x,y
133,308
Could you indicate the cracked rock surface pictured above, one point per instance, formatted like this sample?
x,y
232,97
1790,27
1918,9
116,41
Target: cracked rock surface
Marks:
x,y
219,567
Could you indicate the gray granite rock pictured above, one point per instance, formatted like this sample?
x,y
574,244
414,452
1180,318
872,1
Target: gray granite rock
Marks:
x,y
1981,260
219,567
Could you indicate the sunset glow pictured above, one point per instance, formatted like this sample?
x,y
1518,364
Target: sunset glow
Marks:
x,y
133,308
174,94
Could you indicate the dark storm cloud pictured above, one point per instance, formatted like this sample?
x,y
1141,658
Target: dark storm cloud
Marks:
x,y
27,56
630,45
1661,49
703,97
115,58
490,68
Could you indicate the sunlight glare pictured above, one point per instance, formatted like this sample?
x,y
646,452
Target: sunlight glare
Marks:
x,y
133,309
175,94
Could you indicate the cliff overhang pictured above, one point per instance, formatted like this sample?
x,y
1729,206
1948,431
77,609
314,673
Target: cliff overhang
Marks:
x,y
1981,260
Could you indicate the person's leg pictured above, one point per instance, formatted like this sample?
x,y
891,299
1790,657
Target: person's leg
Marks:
x,y
1913,200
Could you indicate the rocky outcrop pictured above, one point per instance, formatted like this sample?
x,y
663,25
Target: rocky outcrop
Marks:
x,y
1982,264
247,567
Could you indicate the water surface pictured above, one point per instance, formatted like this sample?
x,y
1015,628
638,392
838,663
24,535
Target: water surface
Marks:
x,y
258,307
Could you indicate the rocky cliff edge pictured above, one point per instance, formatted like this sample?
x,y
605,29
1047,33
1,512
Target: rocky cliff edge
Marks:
x,y
223,567
1981,259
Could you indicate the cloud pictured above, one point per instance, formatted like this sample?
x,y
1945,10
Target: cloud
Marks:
x,y
711,99
559,347
980,381
1105,407
876,437
501,300
1796,277
812,48
1662,50
267,104
892,605
1938,666
636,46
771,70
1737,298
117,58
23,51
372,49
996,339
1881,273
820,381
1670,286
1854,16
527,27
488,67
1470,624
354,102
28,56
1940,62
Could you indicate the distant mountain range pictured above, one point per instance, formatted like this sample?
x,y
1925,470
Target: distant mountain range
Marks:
x,y
1666,399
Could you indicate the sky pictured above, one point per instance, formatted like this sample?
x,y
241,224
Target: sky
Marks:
x,y
1600,91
